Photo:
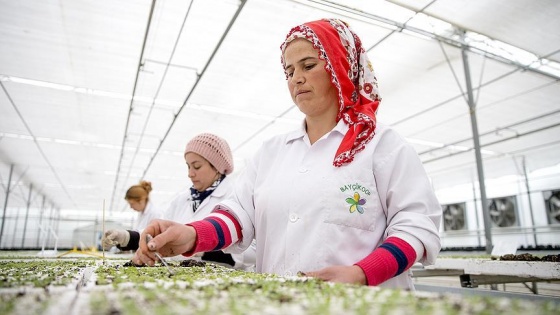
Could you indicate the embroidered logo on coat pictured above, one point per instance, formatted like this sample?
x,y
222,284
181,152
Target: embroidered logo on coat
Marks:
x,y
356,203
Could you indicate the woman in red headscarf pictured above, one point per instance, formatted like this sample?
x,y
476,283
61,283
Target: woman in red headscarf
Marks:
x,y
342,198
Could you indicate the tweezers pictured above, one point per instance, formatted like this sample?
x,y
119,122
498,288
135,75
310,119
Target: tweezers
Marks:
x,y
171,272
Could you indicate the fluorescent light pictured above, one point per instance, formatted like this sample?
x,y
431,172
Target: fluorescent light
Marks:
x,y
49,85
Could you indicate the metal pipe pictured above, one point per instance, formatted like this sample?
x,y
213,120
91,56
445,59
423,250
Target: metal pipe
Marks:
x,y
478,155
529,199
57,221
14,232
6,202
476,214
41,219
49,224
26,215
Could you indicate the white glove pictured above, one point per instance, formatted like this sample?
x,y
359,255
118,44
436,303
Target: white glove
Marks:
x,y
115,237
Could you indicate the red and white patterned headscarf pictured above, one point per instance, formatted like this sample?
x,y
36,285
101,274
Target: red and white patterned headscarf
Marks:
x,y
351,73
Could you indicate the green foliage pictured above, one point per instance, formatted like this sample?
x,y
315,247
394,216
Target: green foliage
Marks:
x,y
40,273
211,289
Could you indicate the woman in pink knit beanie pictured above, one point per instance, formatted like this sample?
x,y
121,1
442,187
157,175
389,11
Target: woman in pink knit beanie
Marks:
x,y
209,160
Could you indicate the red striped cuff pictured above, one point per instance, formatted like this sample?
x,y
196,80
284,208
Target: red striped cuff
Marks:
x,y
390,259
218,230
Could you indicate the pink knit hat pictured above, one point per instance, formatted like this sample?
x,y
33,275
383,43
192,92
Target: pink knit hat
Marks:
x,y
214,149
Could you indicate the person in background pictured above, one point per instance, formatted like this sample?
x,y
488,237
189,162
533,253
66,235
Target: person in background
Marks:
x,y
343,198
209,161
138,197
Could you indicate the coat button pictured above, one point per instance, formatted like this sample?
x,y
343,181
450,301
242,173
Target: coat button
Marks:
x,y
293,217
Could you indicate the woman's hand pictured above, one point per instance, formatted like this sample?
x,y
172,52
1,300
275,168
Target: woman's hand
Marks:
x,y
343,274
169,239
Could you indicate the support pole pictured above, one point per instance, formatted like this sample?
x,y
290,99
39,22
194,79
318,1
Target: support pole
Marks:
x,y
56,231
49,224
6,203
26,215
476,215
14,232
479,165
41,219
529,200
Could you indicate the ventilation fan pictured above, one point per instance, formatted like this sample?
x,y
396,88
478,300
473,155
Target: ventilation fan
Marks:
x,y
502,211
552,200
454,217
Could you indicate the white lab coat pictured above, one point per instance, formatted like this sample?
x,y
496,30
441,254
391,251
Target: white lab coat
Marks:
x,y
293,201
144,217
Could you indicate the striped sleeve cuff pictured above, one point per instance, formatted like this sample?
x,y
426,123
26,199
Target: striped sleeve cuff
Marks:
x,y
390,259
217,231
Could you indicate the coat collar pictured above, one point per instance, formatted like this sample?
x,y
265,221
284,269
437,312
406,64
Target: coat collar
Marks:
x,y
299,133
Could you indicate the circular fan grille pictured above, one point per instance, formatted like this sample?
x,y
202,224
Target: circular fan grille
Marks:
x,y
454,217
502,212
